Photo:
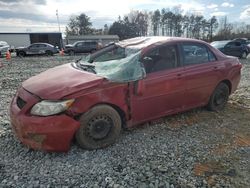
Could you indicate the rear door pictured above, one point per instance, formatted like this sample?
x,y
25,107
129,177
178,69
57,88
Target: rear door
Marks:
x,y
233,49
33,49
42,48
202,73
164,85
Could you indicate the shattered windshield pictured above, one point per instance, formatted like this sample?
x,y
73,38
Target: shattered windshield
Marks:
x,y
111,52
122,69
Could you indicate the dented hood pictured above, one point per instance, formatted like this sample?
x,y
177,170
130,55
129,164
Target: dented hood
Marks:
x,y
60,81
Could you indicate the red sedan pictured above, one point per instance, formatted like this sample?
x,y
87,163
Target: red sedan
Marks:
x,y
121,85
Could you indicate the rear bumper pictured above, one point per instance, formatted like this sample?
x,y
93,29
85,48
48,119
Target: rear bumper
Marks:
x,y
52,133
235,77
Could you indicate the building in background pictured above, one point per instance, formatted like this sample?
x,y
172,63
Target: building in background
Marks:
x,y
25,39
104,39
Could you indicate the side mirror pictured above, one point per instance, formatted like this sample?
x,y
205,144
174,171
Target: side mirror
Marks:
x,y
139,87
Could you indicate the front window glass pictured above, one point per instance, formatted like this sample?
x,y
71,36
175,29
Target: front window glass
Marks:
x,y
161,58
79,44
33,46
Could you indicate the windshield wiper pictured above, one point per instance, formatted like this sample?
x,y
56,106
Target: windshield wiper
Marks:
x,y
87,67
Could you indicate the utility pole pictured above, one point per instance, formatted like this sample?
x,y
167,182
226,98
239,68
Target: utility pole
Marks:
x,y
58,20
57,16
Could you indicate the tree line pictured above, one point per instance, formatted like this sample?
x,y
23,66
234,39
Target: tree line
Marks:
x,y
165,22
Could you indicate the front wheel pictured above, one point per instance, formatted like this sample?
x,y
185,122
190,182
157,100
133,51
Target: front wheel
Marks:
x,y
244,55
219,97
49,53
99,127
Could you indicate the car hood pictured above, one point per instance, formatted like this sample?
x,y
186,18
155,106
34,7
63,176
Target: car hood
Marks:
x,y
68,46
21,48
60,81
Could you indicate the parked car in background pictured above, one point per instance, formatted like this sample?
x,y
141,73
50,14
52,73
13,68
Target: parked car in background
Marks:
x,y
120,86
248,43
243,41
37,49
4,47
232,48
82,47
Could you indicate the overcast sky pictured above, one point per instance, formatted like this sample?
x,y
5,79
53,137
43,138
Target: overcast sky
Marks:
x,y
40,15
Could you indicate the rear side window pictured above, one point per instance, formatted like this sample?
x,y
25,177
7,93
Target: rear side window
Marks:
x,y
233,44
42,45
197,54
34,46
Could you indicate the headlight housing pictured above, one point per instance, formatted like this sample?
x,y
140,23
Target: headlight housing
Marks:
x,y
47,108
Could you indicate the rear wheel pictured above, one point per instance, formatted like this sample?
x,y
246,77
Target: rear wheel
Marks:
x,y
21,54
71,53
219,97
99,128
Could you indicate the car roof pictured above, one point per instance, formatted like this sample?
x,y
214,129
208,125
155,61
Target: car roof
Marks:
x,y
142,42
41,43
85,41
146,43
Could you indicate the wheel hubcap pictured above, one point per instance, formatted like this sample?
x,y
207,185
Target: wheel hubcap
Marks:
x,y
99,127
220,98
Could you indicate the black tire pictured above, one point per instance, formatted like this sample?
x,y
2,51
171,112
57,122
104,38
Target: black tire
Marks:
x,y
244,55
21,54
49,53
71,53
219,97
99,128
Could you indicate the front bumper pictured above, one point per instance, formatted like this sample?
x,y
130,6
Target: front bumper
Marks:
x,y
52,133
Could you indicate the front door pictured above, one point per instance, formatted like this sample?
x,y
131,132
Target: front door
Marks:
x,y
164,91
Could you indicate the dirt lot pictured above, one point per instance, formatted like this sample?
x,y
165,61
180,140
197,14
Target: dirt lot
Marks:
x,y
192,149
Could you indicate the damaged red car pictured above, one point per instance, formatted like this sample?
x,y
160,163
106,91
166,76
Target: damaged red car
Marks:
x,y
120,86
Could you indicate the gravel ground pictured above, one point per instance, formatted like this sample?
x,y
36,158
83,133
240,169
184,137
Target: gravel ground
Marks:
x,y
192,149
